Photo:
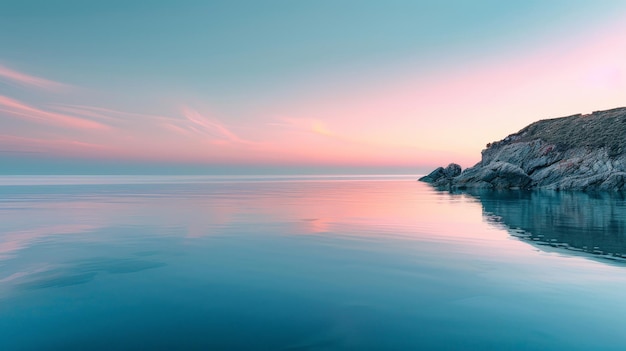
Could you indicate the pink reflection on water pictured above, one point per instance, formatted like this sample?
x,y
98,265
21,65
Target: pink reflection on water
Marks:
x,y
361,209
400,207
316,225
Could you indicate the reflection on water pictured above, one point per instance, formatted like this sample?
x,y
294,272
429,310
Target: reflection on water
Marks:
x,y
301,263
592,223
83,271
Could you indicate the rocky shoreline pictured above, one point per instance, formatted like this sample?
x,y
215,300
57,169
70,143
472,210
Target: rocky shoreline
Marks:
x,y
579,152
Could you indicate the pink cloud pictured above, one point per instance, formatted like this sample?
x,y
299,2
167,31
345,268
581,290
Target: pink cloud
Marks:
x,y
26,79
111,114
176,129
19,109
310,125
131,122
211,127
66,146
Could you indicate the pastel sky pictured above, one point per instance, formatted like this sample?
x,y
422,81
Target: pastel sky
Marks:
x,y
205,86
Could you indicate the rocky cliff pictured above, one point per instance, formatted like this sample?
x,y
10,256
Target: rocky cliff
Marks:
x,y
580,152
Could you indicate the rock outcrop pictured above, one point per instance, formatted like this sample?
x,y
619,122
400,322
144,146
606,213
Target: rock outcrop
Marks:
x,y
580,152
442,176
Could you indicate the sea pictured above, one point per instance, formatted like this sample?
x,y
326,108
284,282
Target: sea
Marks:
x,y
306,263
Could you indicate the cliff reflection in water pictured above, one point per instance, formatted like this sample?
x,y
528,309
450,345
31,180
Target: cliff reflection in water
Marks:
x,y
583,222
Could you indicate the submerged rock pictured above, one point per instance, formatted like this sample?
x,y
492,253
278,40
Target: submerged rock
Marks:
x,y
580,152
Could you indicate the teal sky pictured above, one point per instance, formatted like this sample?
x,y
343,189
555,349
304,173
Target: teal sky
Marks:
x,y
290,84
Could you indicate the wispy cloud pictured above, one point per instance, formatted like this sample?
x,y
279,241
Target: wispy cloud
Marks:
x,y
20,144
20,109
175,125
29,80
110,114
211,127
176,129
310,125
191,125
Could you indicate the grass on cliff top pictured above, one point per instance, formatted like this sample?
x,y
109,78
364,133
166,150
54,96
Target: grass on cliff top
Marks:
x,y
599,129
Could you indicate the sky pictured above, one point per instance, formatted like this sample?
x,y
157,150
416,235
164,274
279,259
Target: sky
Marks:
x,y
319,86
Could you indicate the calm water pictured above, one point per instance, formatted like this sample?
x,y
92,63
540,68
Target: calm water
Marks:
x,y
334,263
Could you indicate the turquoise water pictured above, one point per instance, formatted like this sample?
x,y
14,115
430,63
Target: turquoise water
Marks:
x,y
305,263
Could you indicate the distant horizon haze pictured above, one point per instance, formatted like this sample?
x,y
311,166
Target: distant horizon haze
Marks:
x,y
82,167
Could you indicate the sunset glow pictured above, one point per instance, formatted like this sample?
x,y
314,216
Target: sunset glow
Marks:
x,y
415,108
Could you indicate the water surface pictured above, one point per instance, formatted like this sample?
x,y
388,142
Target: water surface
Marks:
x,y
305,263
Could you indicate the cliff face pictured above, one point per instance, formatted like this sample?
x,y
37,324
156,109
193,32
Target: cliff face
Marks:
x,y
580,152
